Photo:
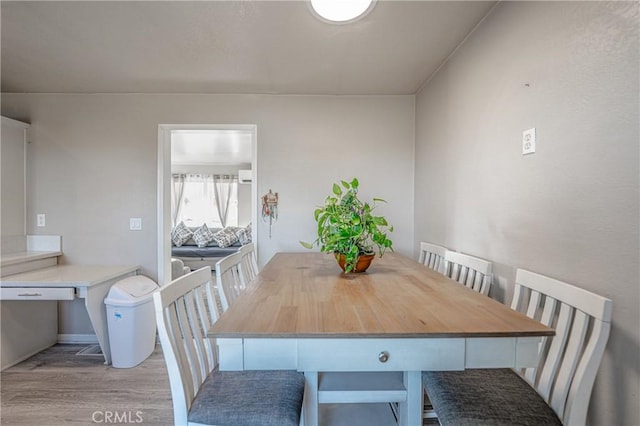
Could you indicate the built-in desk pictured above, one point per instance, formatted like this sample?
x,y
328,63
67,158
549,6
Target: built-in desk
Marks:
x,y
65,282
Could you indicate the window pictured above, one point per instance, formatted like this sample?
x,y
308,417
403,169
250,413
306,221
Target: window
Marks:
x,y
202,198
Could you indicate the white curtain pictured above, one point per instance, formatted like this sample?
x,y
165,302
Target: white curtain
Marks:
x,y
177,194
204,198
224,186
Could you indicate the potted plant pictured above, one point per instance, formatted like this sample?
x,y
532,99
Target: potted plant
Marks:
x,y
348,228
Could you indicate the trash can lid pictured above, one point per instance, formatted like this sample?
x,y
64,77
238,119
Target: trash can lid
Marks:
x,y
131,291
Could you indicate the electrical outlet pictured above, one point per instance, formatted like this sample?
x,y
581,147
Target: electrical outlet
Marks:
x,y
135,224
529,141
40,220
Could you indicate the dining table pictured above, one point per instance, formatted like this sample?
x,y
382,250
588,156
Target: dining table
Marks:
x,y
302,312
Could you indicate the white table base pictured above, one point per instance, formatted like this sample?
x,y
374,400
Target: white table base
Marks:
x,y
410,356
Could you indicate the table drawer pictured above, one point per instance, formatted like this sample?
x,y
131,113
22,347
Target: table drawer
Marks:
x,y
380,354
37,293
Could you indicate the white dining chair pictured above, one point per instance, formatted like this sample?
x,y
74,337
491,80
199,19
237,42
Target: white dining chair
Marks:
x,y
471,271
432,256
248,263
558,390
201,394
228,279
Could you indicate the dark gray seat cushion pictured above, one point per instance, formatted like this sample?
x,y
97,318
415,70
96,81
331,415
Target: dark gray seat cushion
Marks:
x,y
203,252
486,397
249,398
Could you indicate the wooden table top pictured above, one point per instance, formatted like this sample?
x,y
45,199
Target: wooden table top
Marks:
x,y
307,295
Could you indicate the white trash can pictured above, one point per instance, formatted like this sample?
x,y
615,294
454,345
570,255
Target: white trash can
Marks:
x,y
131,320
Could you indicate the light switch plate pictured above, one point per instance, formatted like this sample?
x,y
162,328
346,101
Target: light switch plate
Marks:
x,y
135,224
529,141
40,220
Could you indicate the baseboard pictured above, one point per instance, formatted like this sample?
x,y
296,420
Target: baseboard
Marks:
x,y
84,339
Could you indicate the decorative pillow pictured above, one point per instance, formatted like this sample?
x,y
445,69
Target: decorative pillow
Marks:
x,y
244,236
247,232
225,237
202,236
180,234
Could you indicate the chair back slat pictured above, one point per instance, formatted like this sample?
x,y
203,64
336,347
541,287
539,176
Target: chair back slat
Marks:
x,y
188,343
548,313
554,355
180,377
248,267
573,351
436,262
470,271
486,284
208,316
463,275
432,256
472,278
585,374
194,318
456,271
212,306
567,368
228,279
476,284
453,270
183,319
534,304
518,297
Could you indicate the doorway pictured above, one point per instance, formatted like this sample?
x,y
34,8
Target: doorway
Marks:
x,y
218,150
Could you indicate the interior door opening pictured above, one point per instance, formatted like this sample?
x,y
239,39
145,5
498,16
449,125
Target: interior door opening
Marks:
x,y
207,176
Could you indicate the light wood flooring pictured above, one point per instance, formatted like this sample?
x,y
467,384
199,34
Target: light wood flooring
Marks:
x,y
57,387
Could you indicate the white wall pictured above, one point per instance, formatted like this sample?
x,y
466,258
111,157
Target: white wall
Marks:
x,y
570,211
93,165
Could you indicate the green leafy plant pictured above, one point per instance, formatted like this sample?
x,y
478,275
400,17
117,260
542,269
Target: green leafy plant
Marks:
x,y
347,226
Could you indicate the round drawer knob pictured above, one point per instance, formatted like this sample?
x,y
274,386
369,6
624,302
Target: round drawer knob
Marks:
x,y
383,356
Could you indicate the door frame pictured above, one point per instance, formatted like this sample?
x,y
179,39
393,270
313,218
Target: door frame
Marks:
x,y
164,188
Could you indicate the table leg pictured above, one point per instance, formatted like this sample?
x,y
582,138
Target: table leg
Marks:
x,y
411,411
310,403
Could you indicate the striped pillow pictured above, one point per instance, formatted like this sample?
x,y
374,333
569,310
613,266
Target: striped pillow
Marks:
x,y
225,237
202,236
180,234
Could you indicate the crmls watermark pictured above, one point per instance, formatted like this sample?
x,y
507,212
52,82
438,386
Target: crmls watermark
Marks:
x,y
117,417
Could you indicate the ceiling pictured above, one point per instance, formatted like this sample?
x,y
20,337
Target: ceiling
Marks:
x,y
211,147
275,47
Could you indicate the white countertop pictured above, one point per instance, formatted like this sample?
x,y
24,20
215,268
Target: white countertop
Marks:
x,y
67,275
